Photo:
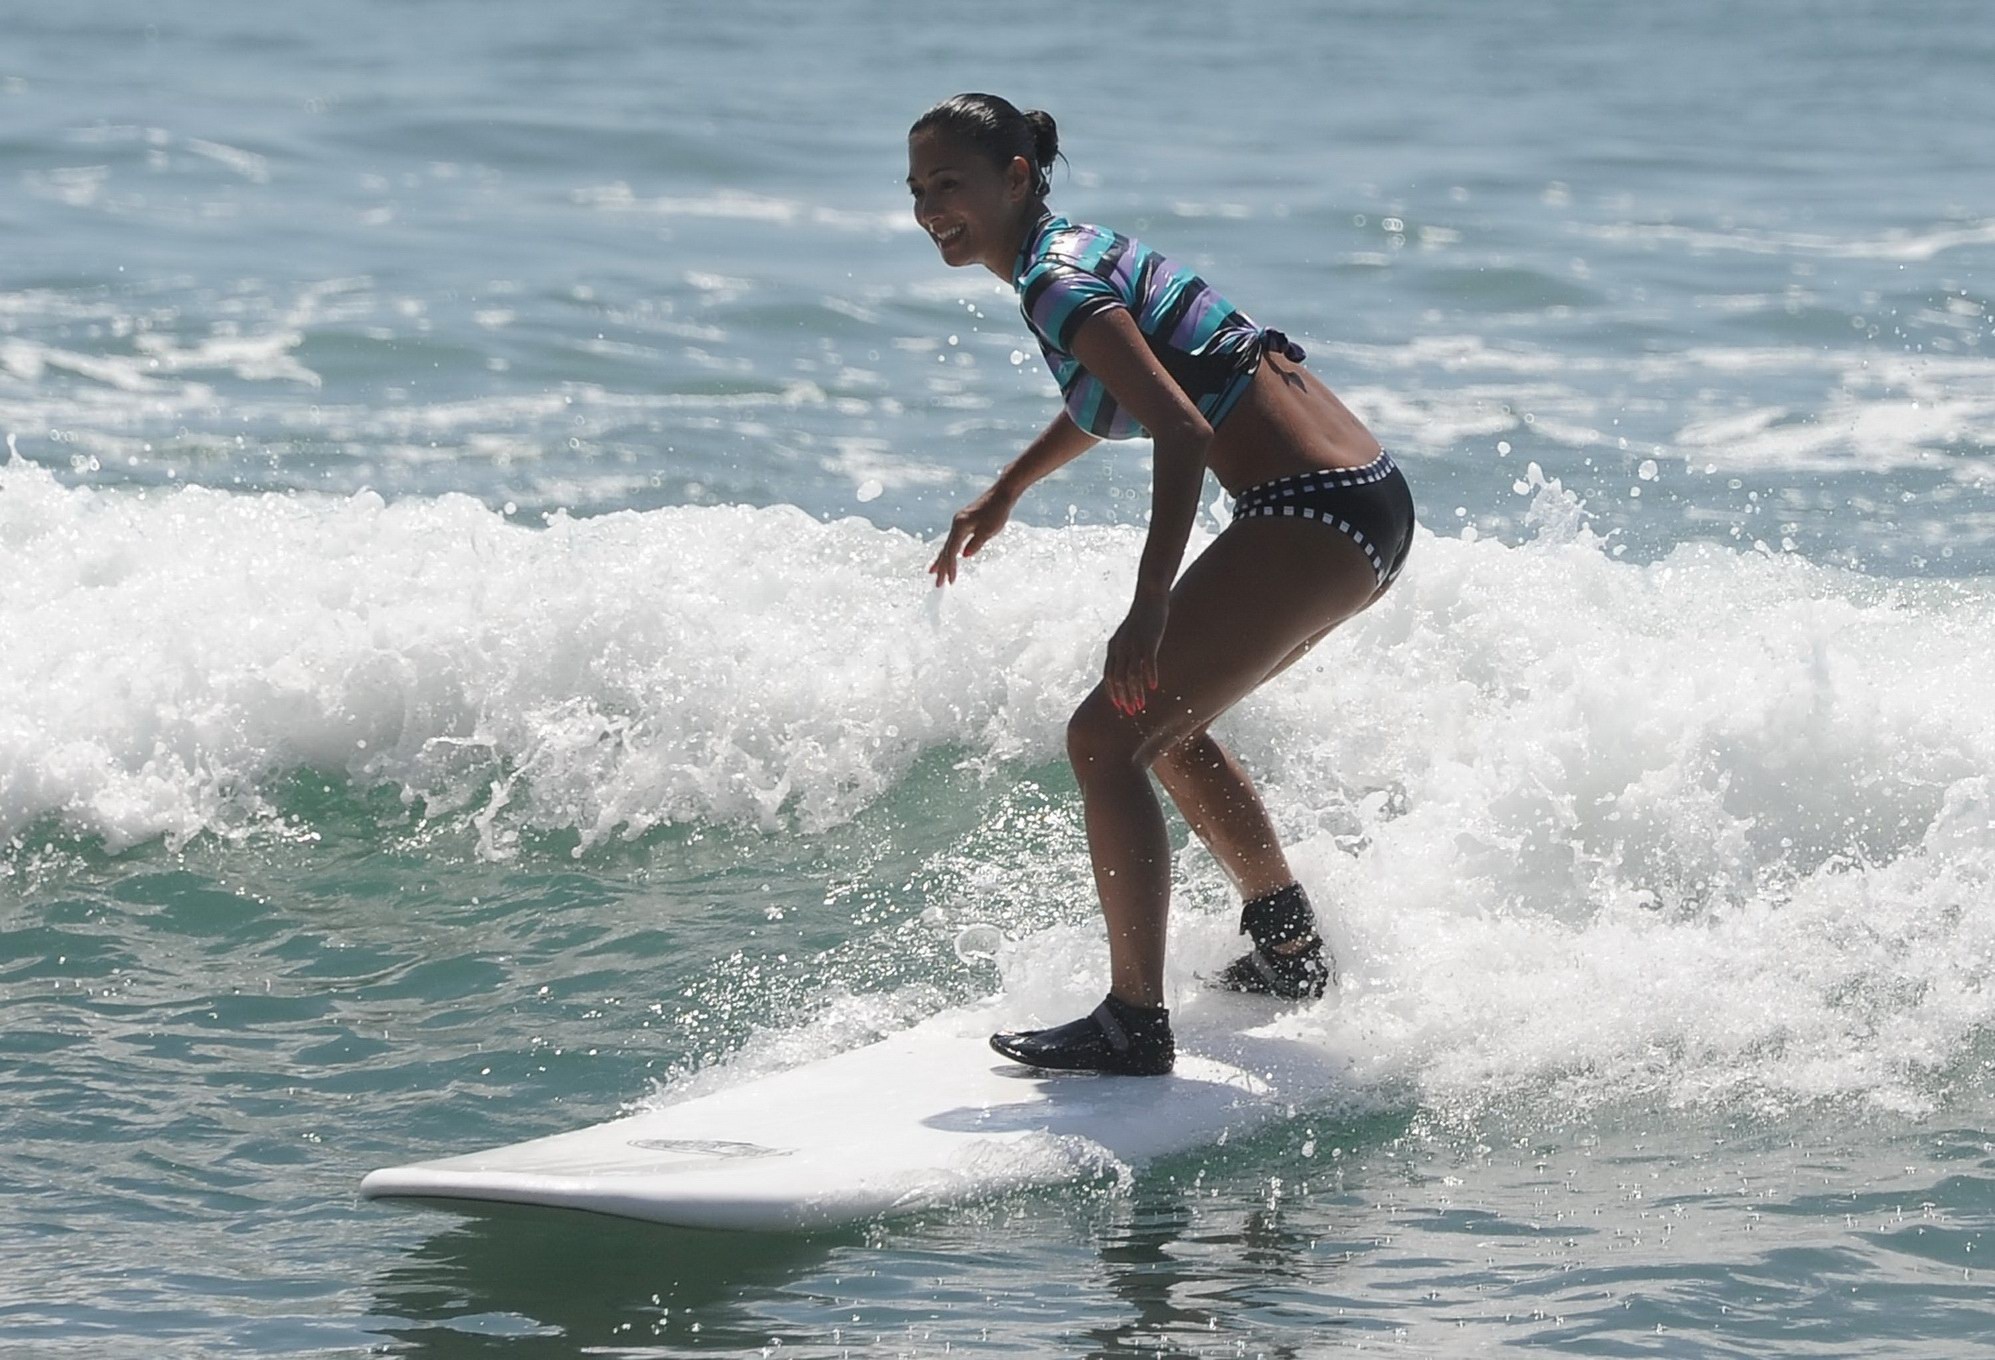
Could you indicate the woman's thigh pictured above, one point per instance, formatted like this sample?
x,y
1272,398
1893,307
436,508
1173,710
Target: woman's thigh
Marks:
x,y
1264,590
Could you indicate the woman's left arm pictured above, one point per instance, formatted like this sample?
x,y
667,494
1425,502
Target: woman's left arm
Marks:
x,y
1111,348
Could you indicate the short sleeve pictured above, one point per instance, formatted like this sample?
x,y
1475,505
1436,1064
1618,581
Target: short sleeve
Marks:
x,y
1057,296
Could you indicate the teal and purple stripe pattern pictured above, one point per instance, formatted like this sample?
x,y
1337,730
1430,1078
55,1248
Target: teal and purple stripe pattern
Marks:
x,y
1068,272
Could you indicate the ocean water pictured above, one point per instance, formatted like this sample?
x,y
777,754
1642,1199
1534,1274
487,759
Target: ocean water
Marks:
x,y
466,668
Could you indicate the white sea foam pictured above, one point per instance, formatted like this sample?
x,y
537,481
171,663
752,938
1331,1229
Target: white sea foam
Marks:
x,y
1718,830
169,655
264,350
1877,410
740,206
1901,244
1719,827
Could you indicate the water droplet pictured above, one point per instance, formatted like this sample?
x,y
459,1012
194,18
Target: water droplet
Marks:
x,y
979,943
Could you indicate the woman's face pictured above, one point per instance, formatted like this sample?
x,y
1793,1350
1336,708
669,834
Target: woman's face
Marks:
x,y
972,210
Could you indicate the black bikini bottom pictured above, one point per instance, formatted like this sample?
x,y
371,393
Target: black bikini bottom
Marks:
x,y
1370,505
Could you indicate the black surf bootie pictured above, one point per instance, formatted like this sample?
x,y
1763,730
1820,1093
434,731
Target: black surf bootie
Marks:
x,y
1280,919
1116,1037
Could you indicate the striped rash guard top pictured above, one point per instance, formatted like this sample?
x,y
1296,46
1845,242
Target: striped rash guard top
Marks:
x,y
1067,272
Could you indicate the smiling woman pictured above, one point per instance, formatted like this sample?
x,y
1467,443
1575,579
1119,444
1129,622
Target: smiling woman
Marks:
x,y
1142,346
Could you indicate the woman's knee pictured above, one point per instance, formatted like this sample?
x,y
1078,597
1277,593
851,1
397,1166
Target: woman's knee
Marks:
x,y
1098,737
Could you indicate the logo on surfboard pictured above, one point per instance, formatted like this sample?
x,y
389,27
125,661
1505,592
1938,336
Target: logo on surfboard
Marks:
x,y
708,1149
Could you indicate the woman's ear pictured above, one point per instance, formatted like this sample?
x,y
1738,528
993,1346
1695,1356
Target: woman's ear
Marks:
x,y
1020,179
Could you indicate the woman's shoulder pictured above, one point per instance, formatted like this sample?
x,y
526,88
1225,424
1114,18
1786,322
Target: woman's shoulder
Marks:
x,y
1059,241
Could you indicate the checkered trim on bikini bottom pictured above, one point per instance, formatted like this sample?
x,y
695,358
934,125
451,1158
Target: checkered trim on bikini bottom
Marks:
x,y
1328,479
1278,498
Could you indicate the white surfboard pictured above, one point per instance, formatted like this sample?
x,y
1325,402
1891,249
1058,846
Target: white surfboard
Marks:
x,y
926,1117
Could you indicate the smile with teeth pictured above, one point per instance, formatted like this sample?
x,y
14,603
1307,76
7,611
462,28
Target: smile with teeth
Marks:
x,y
949,237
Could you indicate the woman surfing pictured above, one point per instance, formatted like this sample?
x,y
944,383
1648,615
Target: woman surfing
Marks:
x,y
1322,520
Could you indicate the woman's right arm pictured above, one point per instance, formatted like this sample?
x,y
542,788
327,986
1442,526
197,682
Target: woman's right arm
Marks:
x,y
1059,444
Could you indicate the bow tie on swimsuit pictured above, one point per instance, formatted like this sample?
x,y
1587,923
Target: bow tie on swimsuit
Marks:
x,y
1279,343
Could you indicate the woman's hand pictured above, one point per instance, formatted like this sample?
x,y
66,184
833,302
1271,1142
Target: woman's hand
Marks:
x,y
975,524
1131,672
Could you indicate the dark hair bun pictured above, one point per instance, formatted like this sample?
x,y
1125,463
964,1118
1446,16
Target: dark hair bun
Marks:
x,y
1045,145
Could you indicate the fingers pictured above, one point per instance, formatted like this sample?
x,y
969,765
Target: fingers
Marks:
x,y
1113,676
1129,678
943,568
968,532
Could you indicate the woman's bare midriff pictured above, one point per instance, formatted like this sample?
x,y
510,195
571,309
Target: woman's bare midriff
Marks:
x,y
1288,422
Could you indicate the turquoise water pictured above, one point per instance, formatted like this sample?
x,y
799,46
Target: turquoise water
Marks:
x,y
468,670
